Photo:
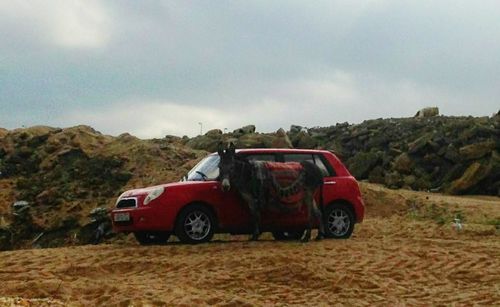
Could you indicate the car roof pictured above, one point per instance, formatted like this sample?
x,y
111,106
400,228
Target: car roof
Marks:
x,y
277,150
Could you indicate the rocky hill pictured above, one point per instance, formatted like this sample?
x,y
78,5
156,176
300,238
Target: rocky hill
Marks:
x,y
63,174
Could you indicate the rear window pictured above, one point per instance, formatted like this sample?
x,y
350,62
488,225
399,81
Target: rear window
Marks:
x,y
298,158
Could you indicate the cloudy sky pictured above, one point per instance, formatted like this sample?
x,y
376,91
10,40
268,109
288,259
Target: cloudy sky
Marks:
x,y
153,68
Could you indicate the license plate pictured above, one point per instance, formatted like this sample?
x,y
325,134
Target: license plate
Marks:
x,y
121,217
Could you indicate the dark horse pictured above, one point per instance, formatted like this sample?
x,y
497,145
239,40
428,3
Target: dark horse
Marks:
x,y
261,190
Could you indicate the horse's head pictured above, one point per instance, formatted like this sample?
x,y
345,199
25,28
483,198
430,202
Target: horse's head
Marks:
x,y
226,164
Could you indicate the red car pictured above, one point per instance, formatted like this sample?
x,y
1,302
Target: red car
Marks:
x,y
196,208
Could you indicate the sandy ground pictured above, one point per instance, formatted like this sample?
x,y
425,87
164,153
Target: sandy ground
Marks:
x,y
392,259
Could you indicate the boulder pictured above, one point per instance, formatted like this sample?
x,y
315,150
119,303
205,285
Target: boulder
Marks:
x,y
422,184
304,140
409,181
477,150
419,144
214,132
208,142
393,180
403,164
362,163
476,172
172,139
255,140
245,130
295,129
377,175
451,154
281,140
127,138
428,112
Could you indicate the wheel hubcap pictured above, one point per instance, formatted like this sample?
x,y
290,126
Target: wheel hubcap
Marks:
x,y
338,222
197,225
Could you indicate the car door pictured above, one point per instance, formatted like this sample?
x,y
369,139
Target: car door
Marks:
x,y
330,179
234,212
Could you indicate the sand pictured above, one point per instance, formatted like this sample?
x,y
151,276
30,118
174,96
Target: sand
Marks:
x,y
390,260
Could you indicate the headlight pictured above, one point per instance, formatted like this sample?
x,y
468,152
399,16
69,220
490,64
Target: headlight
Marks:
x,y
154,194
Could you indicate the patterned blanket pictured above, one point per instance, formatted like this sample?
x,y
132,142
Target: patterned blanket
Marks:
x,y
286,181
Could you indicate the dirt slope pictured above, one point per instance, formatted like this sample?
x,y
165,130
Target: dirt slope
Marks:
x,y
401,254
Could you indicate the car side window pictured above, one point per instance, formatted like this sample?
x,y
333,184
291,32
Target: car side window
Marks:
x,y
260,157
324,166
298,158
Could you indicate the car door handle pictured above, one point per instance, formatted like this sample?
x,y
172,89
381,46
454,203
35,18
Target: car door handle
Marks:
x,y
330,182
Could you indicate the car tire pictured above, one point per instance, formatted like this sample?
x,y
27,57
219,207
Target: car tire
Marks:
x,y
288,235
151,237
195,224
339,221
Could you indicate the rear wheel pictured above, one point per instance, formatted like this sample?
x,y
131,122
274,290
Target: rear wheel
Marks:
x,y
195,224
151,237
288,235
339,221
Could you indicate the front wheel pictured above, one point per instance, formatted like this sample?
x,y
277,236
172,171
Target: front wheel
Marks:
x,y
151,237
339,221
195,224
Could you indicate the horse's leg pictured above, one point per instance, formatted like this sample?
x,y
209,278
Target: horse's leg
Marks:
x,y
255,212
319,216
308,201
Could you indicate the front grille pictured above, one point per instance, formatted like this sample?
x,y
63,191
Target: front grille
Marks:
x,y
126,203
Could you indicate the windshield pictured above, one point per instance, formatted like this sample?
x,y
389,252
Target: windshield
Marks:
x,y
208,167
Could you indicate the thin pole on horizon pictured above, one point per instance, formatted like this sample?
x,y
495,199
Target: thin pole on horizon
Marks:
x,y
201,127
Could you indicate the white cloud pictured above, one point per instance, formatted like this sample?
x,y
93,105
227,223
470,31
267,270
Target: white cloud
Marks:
x,y
64,23
322,102
148,119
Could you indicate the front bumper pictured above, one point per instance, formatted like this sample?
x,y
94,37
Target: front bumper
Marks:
x,y
140,219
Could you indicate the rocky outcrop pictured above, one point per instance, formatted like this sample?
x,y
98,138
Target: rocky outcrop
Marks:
x,y
450,154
